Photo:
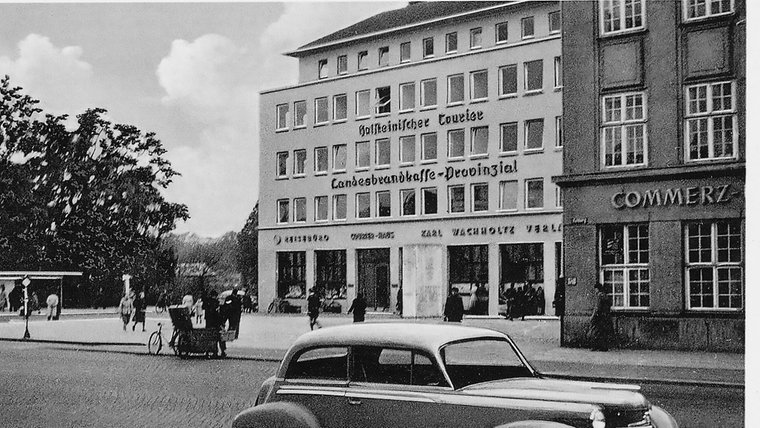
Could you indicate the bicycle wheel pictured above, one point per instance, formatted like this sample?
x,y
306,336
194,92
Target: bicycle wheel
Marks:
x,y
155,343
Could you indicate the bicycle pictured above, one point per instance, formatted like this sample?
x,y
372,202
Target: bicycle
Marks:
x,y
277,306
156,342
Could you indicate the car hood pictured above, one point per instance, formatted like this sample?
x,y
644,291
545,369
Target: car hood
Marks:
x,y
611,395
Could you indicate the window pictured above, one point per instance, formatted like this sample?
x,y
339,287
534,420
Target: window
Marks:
x,y
320,208
291,274
534,75
407,149
451,42
476,38
502,32
339,207
508,195
624,255
408,202
406,93
283,210
321,114
405,52
456,199
340,107
383,152
383,204
624,129
557,196
711,121
534,193
299,210
339,157
299,107
557,71
508,137
342,64
362,103
479,85
714,271
428,93
320,160
427,47
527,27
558,132
383,100
555,22
282,164
479,194
362,60
521,264
479,141
320,363
430,200
383,56
299,162
362,155
322,68
534,134
362,205
619,15
331,273
468,266
456,89
456,143
695,9
508,80
282,116
429,148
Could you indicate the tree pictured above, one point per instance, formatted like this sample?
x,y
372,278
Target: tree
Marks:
x,y
204,263
248,252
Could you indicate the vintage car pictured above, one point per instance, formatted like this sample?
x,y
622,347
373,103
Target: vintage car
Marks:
x,y
424,375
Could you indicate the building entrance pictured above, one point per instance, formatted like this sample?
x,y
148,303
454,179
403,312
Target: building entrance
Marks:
x,y
373,276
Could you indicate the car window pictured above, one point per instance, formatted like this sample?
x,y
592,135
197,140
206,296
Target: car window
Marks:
x,y
320,363
425,372
482,360
393,366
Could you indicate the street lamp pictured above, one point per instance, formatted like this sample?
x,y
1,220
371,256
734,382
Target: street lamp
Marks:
x,y
25,282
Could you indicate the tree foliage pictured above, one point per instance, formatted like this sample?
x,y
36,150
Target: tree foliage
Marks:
x,y
248,251
204,263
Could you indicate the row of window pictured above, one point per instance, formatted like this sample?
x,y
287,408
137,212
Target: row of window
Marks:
x,y
408,96
408,205
408,150
451,46
618,16
714,272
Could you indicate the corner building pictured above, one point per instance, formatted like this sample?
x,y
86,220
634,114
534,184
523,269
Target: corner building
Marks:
x,y
654,170
416,152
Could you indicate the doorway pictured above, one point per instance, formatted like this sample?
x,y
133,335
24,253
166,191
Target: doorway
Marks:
x,y
373,276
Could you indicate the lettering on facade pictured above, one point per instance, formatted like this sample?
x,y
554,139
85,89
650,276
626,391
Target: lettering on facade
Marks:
x,y
492,230
398,126
689,196
363,236
467,116
291,239
431,233
544,228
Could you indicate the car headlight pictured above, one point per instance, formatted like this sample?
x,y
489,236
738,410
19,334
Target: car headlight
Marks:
x,y
597,419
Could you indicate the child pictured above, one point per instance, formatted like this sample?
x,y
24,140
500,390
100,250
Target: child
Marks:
x,y
198,309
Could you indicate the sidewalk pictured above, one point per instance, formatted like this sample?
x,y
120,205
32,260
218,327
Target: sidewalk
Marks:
x,y
268,336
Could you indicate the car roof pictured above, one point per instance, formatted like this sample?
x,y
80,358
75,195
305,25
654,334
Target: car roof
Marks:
x,y
394,334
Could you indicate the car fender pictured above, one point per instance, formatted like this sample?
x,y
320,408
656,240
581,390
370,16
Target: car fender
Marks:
x,y
661,418
534,424
276,415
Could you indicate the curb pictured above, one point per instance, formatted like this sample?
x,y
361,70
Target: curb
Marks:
x,y
71,342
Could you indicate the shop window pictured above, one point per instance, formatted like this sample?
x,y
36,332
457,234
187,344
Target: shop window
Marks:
x,y
408,202
299,210
557,71
321,114
618,16
521,269
711,121
456,89
508,80
363,205
479,194
299,163
430,200
479,141
322,66
342,64
534,134
383,204
527,28
456,199
383,100
339,207
624,129
283,211
428,47
320,160
697,9
429,147
624,255
476,38
456,143
502,32
339,157
508,195
534,75
320,208
362,104
714,265
383,152
299,107
555,22
468,271
383,56
405,52
282,117
340,107
407,148
361,60
428,93
331,273
534,193
291,274
451,42
406,92
362,155
282,164
508,137
479,85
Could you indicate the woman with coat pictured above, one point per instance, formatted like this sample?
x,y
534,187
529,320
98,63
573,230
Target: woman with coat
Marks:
x,y
600,330
358,307
139,306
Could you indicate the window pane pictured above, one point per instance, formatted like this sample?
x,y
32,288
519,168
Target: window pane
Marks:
x,y
699,243
362,103
362,205
407,96
282,116
406,51
508,77
612,245
555,22
476,35
509,137
427,47
429,93
320,154
300,109
362,61
320,115
383,151
456,89
340,106
383,204
534,190
557,71
300,162
383,100
456,199
527,27
362,154
322,363
534,75
342,64
701,287
320,207
638,244
456,143
479,84
282,164
729,242
339,207
479,197
429,146
299,210
322,68
408,202
407,149
451,42
501,32
534,134
430,200
508,195
479,140
339,157
382,56
283,211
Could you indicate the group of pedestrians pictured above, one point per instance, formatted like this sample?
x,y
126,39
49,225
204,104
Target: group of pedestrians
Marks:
x,y
132,308
15,301
524,300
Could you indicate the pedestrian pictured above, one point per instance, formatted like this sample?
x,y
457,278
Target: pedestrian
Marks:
x,y
14,298
188,302
139,308
358,307
481,300
540,300
312,307
3,298
52,306
400,301
198,310
214,319
510,297
247,303
34,303
234,309
454,309
125,310
600,329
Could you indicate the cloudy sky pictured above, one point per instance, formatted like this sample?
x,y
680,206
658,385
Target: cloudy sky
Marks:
x,y
190,72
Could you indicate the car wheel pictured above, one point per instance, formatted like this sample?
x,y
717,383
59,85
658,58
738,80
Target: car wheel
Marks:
x,y
280,414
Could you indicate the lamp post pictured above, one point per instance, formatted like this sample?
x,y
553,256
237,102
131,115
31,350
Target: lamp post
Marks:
x,y
25,282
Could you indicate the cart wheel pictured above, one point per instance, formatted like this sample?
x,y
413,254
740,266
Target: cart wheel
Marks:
x,y
181,345
154,343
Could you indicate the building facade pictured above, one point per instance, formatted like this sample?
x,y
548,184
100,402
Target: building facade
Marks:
x,y
654,170
416,154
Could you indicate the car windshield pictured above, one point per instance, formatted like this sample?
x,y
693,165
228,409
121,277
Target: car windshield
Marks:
x,y
482,360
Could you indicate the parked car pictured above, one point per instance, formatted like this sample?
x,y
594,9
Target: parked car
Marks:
x,y
416,375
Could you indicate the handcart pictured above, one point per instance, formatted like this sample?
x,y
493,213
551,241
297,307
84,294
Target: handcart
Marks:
x,y
187,340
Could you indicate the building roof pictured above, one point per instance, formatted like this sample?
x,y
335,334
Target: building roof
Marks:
x,y
416,13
